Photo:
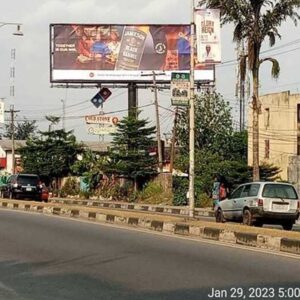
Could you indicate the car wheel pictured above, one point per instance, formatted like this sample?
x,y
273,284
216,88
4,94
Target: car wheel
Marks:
x,y
247,217
288,225
219,216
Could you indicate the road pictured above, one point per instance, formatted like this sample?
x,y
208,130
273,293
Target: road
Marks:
x,y
46,258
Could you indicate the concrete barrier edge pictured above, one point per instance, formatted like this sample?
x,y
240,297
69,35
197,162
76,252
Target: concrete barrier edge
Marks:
x,y
225,236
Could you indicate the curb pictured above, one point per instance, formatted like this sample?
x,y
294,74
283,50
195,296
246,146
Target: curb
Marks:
x,y
173,210
279,244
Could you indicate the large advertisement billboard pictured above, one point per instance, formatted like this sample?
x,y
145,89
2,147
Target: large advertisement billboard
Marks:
x,y
121,53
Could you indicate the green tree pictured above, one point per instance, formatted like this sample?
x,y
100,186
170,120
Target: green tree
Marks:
x,y
255,21
130,153
213,123
22,131
91,165
51,154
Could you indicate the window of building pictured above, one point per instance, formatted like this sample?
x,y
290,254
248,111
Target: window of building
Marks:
x,y
298,113
267,148
267,117
298,145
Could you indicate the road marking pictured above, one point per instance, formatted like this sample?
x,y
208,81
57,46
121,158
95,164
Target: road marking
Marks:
x,y
172,235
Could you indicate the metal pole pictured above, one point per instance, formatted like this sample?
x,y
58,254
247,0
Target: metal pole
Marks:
x,y
12,112
132,99
192,122
64,113
172,158
159,148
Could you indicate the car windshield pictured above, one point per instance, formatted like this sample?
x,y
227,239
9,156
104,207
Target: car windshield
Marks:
x,y
282,191
32,180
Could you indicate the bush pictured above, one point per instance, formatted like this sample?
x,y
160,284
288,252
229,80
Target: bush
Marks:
x,y
203,201
153,193
180,189
70,188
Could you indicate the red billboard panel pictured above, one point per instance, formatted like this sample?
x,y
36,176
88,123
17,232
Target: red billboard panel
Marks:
x,y
121,53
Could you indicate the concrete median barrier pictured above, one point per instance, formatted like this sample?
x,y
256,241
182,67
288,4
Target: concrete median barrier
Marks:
x,y
268,239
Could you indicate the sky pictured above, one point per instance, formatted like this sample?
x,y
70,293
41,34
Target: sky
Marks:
x,y
35,98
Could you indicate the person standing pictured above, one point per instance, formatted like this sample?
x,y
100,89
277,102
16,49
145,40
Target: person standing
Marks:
x,y
216,191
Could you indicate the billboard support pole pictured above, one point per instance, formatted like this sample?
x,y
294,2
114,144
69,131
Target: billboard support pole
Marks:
x,y
132,99
191,192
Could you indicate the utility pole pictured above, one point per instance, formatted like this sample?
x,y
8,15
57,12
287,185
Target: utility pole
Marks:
x,y
63,113
12,112
191,192
172,158
158,137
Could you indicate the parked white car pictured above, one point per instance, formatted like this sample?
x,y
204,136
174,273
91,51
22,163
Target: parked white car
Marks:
x,y
259,203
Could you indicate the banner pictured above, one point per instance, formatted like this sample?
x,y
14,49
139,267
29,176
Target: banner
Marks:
x,y
180,89
2,111
208,31
121,53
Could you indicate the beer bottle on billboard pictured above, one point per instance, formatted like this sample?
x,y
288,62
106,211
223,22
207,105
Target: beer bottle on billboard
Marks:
x,y
132,47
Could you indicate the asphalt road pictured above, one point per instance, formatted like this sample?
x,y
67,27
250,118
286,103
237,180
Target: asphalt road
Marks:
x,y
45,257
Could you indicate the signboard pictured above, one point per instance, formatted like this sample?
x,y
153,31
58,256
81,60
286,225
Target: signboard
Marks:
x,y
208,30
101,97
1,111
101,124
121,53
180,89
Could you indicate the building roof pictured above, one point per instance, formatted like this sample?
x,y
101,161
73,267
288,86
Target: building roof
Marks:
x,y
6,145
97,146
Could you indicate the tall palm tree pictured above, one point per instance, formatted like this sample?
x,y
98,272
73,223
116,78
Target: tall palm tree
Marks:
x,y
255,21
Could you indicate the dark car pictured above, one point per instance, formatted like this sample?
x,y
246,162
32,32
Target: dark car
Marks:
x,y
23,186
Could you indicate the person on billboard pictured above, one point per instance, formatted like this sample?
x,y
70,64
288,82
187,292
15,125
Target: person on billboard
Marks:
x,y
114,45
99,48
184,48
84,50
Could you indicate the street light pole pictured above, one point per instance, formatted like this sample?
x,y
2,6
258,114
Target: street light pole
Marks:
x,y
18,25
191,193
12,112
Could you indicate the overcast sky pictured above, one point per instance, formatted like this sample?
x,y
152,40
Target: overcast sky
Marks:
x,y
34,96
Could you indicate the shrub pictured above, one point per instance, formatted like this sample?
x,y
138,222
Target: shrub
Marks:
x,y
70,188
153,193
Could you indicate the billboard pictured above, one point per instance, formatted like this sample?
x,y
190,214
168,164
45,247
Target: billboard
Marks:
x,y
121,53
101,124
208,30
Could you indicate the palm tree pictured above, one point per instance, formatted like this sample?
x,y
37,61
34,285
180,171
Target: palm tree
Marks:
x,y
255,21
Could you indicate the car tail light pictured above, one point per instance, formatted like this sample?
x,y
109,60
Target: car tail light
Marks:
x,y
260,202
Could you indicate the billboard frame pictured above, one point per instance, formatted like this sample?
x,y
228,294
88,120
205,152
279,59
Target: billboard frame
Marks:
x,y
146,79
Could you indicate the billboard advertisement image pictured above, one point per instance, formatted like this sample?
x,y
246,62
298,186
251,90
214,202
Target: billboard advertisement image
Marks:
x,y
121,53
208,31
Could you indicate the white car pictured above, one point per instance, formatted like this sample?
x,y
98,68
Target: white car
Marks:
x,y
259,203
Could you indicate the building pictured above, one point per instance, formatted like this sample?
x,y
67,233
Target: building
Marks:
x,y
279,134
6,154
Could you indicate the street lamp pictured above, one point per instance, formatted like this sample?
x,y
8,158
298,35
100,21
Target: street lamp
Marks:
x,y
18,31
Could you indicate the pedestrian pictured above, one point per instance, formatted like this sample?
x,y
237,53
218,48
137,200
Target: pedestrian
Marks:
x,y
223,191
216,190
